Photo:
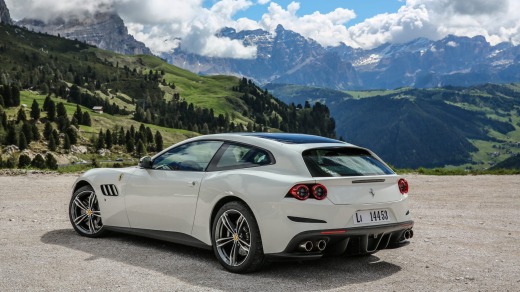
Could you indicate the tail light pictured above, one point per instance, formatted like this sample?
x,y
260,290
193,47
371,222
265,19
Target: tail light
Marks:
x,y
300,192
403,186
319,192
303,192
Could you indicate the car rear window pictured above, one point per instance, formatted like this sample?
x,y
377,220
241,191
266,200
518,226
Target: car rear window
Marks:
x,y
327,162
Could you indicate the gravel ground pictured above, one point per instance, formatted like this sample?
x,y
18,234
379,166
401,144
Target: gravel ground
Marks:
x,y
467,238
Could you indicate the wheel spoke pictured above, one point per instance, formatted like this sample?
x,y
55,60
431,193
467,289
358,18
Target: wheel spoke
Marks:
x,y
91,200
79,219
80,204
227,224
223,241
90,225
240,222
244,244
233,255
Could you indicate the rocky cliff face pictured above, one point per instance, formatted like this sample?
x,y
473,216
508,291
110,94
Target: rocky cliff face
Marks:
x,y
5,17
103,30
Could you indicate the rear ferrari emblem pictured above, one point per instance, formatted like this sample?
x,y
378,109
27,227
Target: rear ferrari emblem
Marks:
x,y
121,176
372,193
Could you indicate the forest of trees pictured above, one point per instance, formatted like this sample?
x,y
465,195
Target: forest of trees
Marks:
x,y
67,72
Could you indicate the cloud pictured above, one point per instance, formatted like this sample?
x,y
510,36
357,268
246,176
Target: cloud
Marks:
x,y
160,24
435,19
328,29
263,2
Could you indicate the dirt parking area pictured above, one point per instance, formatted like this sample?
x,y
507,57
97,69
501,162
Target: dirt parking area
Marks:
x,y
467,238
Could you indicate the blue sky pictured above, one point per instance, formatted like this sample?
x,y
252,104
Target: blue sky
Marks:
x,y
363,8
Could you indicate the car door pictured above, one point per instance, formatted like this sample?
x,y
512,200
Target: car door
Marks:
x,y
164,197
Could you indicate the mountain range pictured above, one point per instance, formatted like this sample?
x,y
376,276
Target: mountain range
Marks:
x,y
287,57
284,56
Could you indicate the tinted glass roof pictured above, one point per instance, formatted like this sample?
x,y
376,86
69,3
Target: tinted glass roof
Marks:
x,y
293,138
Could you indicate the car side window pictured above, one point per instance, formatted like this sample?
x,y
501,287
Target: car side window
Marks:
x,y
194,156
242,156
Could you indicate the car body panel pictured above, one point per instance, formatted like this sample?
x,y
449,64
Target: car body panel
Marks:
x,y
162,200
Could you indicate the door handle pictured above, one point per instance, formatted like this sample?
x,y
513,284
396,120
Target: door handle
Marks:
x,y
193,183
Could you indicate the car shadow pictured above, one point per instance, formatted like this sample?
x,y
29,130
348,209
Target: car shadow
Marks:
x,y
200,268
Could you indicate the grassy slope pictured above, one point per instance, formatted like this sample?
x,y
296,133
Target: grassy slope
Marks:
x,y
203,91
100,121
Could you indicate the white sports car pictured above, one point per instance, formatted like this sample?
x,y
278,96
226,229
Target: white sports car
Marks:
x,y
252,197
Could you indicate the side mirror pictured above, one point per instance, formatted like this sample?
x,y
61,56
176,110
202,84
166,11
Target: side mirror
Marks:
x,y
145,162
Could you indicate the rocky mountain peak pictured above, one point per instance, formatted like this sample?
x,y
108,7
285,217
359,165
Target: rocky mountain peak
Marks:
x,y
104,30
5,17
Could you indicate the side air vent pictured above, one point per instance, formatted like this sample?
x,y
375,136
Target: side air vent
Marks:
x,y
109,190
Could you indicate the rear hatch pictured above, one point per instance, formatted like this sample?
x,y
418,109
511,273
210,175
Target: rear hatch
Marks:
x,y
352,175
361,190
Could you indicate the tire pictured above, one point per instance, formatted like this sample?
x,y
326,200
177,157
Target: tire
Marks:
x,y
84,213
245,244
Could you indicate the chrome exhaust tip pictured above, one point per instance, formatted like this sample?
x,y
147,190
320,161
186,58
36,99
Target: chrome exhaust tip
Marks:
x,y
411,233
406,234
321,244
306,245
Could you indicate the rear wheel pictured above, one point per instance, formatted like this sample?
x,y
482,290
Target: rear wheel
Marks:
x,y
236,239
84,213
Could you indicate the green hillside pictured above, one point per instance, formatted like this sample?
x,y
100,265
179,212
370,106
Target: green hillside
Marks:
x,y
146,102
472,128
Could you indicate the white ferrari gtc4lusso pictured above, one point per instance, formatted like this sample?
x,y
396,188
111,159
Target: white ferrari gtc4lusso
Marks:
x,y
252,198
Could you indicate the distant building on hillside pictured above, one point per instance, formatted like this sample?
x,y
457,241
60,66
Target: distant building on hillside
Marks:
x,y
98,109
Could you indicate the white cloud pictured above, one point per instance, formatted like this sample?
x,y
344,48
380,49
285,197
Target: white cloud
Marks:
x,y
435,19
328,29
263,2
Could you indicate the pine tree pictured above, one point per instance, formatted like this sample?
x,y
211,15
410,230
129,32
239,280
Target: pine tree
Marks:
x,y
21,117
24,161
51,111
61,111
56,137
74,122
78,114
108,139
100,141
66,142
121,137
140,148
51,162
15,95
47,130
73,135
22,144
38,162
35,110
158,141
27,131
4,120
46,103
130,145
85,120
52,143
35,132
10,138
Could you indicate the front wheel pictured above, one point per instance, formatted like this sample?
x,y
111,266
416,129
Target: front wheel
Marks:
x,y
236,239
84,213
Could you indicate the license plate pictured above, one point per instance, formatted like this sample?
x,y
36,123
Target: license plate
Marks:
x,y
371,216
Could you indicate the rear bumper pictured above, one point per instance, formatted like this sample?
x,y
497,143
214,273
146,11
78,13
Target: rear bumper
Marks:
x,y
348,241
